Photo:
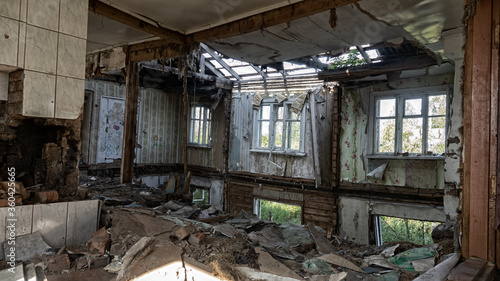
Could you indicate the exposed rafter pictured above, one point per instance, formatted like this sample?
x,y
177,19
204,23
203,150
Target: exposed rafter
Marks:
x,y
113,13
373,69
220,61
212,68
262,73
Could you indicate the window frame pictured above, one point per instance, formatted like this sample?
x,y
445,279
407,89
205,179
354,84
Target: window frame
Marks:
x,y
273,119
206,133
400,97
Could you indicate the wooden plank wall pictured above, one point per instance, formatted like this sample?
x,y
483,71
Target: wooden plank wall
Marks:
x,y
318,207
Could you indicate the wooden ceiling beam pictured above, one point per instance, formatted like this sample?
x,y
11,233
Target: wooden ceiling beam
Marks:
x,y
154,50
267,19
374,69
113,13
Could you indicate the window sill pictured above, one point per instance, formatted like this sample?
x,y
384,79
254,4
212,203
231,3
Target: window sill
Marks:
x,y
195,145
291,153
409,157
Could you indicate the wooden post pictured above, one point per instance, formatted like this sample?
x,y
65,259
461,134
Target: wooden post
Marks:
x,y
130,122
480,116
185,115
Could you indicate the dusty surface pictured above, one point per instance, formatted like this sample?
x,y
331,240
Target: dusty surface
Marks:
x,y
142,232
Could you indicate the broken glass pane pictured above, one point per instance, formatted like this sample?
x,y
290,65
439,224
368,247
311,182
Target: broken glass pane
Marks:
x,y
437,105
278,135
436,134
413,107
412,135
266,112
280,113
295,136
264,134
386,108
386,130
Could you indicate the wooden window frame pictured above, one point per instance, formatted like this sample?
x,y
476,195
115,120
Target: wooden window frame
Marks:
x,y
400,97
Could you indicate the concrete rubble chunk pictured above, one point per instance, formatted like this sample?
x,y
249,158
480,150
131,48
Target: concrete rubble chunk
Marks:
x,y
338,277
30,272
29,246
253,274
389,252
322,244
423,265
132,253
226,229
183,232
99,241
340,261
380,261
57,263
270,265
196,238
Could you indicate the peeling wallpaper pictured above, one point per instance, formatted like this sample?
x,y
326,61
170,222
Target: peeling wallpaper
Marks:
x,y
353,137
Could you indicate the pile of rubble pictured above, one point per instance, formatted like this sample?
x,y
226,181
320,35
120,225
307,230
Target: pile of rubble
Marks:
x,y
142,237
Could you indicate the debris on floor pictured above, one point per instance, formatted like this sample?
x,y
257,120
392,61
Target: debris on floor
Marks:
x,y
139,227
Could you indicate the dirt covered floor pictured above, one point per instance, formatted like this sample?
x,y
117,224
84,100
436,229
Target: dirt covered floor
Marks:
x,y
141,232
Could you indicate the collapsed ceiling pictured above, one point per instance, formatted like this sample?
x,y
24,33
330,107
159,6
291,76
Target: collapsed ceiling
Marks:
x,y
365,22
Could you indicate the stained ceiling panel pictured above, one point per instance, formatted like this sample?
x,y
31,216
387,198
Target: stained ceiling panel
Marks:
x,y
194,15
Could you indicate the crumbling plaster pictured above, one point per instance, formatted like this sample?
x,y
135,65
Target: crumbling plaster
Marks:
x,y
356,215
353,141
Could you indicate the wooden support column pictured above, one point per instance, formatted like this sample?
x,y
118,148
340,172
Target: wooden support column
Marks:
x,y
480,129
185,96
130,122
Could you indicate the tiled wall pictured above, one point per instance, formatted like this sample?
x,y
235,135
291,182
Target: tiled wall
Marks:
x,y
46,38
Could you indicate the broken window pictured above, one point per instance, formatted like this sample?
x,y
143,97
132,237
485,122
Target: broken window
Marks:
x,y
278,128
392,229
413,123
201,196
278,212
200,126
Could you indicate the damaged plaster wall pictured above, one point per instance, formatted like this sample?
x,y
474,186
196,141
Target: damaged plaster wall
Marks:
x,y
318,207
354,165
356,215
160,129
242,158
51,155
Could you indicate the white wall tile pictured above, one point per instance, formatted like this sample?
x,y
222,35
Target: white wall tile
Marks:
x,y
41,50
39,94
22,44
69,97
24,10
8,41
74,17
10,9
44,13
71,56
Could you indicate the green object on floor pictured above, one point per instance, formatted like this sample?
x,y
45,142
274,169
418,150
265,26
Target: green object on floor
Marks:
x,y
320,265
403,260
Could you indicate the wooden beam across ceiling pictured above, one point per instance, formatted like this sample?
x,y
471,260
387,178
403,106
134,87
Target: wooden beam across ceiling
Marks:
x,y
374,69
158,49
267,19
113,13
